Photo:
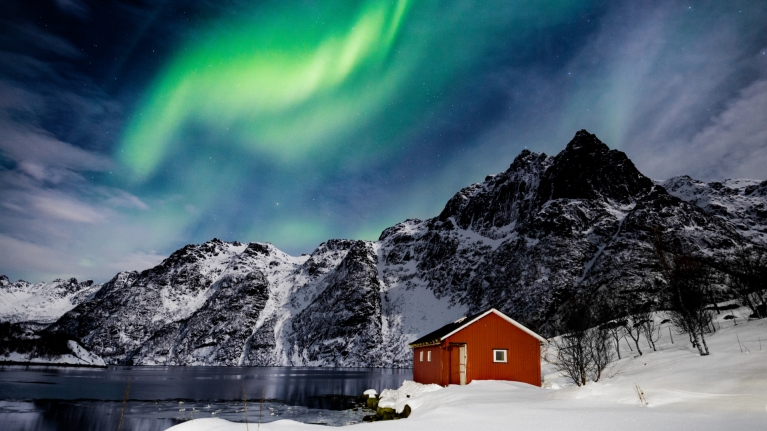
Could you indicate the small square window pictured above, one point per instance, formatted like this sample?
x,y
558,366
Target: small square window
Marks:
x,y
499,355
421,352
428,356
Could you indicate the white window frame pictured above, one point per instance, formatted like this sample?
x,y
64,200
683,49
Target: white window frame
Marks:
x,y
428,356
421,352
505,356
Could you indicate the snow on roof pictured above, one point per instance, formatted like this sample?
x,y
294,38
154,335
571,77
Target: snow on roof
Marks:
x,y
440,334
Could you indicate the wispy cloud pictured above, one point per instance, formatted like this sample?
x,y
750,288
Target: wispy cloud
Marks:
x,y
73,7
732,145
680,90
29,258
137,261
56,220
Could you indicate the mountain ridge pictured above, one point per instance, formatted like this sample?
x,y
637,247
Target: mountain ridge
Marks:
x,y
523,241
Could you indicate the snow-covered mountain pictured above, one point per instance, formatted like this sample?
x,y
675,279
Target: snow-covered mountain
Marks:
x,y
741,202
523,241
41,302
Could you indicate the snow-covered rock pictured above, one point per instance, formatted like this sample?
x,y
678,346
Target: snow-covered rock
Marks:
x,y
407,395
43,303
740,202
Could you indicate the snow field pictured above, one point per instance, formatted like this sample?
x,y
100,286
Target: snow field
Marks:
x,y
684,391
676,378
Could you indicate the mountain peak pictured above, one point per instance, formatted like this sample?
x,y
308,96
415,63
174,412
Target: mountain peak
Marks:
x,y
588,169
585,141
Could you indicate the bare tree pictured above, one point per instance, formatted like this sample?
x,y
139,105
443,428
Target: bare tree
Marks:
x,y
600,351
615,328
688,290
689,296
748,279
650,329
633,327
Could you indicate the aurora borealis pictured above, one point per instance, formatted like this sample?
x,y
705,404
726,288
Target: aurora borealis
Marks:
x,y
131,128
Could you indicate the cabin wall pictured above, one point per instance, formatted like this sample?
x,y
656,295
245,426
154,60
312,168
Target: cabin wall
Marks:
x,y
427,371
493,332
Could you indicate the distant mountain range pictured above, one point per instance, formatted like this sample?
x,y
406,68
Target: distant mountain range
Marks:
x,y
547,228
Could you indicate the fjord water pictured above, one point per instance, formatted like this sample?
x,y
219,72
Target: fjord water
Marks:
x,y
38,398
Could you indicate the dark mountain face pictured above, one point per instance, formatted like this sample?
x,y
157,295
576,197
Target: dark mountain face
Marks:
x,y
587,169
523,241
550,228
501,200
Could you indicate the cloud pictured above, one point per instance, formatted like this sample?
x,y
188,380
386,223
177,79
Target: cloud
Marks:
x,y
27,38
137,261
58,217
733,145
30,258
43,157
67,209
123,199
680,92
74,7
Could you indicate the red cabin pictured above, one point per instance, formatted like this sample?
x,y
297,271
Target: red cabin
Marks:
x,y
486,346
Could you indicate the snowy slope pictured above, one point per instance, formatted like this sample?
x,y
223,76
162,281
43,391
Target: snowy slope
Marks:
x,y
41,302
684,391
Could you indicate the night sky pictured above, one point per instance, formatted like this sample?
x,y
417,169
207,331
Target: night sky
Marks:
x,y
131,128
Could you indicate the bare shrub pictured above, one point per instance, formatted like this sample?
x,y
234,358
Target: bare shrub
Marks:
x,y
583,350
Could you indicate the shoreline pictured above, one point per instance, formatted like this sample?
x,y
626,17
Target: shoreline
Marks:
x,y
49,364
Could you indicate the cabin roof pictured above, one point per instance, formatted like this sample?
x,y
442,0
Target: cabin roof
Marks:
x,y
436,337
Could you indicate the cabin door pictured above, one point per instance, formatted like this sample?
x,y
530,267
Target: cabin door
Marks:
x,y
458,365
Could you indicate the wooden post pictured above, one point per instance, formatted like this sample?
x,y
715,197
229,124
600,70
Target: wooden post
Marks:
x,y
261,408
245,406
125,401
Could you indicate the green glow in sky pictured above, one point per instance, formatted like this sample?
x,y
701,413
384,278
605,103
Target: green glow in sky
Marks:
x,y
283,85
266,124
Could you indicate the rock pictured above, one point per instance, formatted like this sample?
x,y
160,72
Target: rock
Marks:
x,y
406,411
372,403
386,413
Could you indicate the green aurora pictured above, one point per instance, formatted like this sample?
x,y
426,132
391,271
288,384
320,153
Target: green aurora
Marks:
x,y
131,128
291,94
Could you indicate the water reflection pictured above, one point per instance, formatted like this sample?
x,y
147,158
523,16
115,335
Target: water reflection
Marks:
x,y
52,398
53,415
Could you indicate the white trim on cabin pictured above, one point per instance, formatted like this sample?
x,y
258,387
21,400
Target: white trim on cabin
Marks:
x,y
505,317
